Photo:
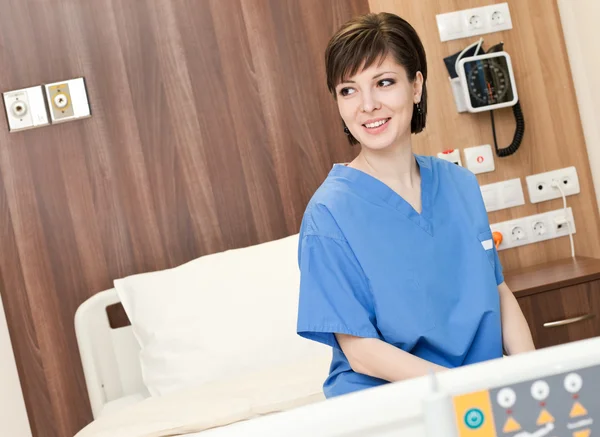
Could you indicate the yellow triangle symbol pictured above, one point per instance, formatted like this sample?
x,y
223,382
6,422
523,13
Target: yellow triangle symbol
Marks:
x,y
511,425
582,433
544,418
578,410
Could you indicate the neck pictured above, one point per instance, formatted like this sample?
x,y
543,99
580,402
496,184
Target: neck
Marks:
x,y
395,164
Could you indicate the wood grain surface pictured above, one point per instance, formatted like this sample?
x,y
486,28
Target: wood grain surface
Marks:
x,y
563,315
561,273
211,128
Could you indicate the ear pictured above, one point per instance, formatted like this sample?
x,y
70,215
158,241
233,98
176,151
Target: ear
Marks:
x,y
417,87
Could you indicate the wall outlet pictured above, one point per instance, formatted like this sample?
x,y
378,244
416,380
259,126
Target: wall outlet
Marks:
x,y
539,228
540,185
517,233
497,18
474,22
471,22
67,100
25,109
535,228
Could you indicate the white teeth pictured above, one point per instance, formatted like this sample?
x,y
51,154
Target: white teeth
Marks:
x,y
376,124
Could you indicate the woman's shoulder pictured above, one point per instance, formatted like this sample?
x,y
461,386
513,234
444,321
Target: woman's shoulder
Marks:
x,y
319,215
449,173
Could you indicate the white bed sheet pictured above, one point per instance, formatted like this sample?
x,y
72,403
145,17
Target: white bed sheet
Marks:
x,y
217,404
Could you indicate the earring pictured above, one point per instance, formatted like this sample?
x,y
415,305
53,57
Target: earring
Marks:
x,y
346,130
419,109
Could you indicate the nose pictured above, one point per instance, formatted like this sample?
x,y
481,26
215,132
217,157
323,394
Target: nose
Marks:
x,y
370,102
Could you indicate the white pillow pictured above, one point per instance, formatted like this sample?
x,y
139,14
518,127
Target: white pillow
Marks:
x,y
218,316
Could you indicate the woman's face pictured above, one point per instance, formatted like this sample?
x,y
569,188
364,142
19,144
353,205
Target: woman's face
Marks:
x,y
377,103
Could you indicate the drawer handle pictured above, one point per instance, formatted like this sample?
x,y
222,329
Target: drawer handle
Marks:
x,y
569,321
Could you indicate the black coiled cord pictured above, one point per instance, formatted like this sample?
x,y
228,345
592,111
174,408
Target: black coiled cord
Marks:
x,y
519,132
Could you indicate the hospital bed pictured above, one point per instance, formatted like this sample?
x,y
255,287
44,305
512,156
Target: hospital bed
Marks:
x,y
552,392
267,381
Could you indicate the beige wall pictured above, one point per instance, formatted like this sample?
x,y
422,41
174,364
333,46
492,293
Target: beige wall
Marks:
x,y
13,416
580,20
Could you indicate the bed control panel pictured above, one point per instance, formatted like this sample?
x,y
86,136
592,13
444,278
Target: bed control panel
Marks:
x,y
562,405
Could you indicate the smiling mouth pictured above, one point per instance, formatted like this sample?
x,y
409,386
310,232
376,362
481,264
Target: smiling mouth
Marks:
x,y
376,124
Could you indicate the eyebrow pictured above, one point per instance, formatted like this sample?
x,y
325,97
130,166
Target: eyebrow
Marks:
x,y
374,77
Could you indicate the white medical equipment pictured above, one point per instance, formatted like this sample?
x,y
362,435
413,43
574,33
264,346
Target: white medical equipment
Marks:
x,y
485,81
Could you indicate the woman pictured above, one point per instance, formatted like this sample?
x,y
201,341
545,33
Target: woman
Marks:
x,y
399,273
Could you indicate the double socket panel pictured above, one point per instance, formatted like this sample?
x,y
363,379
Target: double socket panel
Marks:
x,y
535,228
540,185
476,21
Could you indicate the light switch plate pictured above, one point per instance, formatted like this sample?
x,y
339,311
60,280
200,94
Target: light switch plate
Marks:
x,y
480,159
67,100
25,108
540,185
502,195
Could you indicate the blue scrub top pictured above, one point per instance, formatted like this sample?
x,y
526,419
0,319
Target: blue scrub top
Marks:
x,y
371,266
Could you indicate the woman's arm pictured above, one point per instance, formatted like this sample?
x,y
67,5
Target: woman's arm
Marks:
x,y
376,358
515,330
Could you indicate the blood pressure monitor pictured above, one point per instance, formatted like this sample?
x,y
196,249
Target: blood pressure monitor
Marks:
x,y
487,81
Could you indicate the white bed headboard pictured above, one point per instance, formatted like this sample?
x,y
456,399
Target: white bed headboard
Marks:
x,y
110,357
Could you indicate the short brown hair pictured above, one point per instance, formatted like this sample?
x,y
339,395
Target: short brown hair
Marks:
x,y
369,38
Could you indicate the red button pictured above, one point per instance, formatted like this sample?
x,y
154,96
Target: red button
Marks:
x,y
480,159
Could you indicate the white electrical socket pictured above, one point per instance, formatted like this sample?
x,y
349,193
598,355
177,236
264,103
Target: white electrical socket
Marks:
x,y
474,22
540,185
497,18
535,228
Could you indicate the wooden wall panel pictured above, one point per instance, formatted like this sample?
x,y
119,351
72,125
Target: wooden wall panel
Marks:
x,y
553,133
211,127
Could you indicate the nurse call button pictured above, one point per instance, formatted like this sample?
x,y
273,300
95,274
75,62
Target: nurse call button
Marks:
x,y
474,418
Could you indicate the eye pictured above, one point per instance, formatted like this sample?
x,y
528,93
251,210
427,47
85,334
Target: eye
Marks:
x,y
346,91
386,82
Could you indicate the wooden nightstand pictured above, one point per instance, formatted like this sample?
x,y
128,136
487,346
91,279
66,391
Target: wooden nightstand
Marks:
x,y
560,300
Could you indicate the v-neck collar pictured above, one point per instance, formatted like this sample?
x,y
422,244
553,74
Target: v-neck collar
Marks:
x,y
369,186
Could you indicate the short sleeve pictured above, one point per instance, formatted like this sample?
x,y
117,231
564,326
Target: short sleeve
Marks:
x,y
334,292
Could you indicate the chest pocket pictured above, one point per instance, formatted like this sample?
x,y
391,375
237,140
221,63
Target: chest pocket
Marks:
x,y
487,244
